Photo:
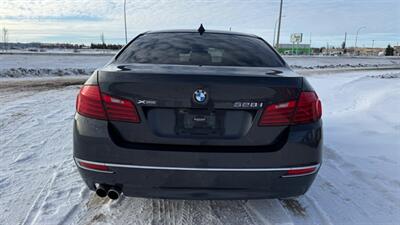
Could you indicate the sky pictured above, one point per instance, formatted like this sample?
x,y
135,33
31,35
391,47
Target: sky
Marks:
x,y
322,22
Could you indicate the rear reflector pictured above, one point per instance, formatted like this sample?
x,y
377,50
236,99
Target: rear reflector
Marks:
x,y
120,109
303,171
88,103
305,110
92,166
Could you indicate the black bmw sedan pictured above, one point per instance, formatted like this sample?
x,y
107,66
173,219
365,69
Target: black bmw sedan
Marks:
x,y
193,114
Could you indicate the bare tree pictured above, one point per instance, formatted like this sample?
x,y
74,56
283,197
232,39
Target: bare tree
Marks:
x,y
5,38
103,42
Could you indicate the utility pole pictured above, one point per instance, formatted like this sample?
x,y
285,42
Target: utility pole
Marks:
x,y
102,39
5,38
276,24
327,48
344,43
373,42
355,45
310,42
126,31
279,25
273,42
103,42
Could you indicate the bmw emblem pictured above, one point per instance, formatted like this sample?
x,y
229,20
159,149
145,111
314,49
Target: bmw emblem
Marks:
x,y
200,96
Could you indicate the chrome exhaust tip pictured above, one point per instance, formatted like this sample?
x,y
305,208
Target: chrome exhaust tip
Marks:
x,y
101,191
114,193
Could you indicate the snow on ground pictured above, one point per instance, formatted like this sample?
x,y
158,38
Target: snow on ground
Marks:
x,y
359,182
52,61
316,62
52,64
44,65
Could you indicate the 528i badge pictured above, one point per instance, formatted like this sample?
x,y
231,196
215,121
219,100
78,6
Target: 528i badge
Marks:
x,y
250,105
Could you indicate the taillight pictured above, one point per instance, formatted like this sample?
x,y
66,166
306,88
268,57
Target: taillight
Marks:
x,y
278,114
120,109
306,109
88,103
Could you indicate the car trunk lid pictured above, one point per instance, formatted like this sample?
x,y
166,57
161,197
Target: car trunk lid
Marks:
x,y
171,115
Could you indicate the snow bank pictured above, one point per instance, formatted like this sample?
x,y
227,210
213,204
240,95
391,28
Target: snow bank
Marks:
x,y
47,65
49,61
23,72
338,66
386,76
323,62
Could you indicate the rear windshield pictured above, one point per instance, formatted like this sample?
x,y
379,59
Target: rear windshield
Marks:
x,y
194,49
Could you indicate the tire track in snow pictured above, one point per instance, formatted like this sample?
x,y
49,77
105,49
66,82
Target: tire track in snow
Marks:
x,y
337,162
46,208
34,145
269,212
232,212
320,212
74,211
338,196
34,211
182,212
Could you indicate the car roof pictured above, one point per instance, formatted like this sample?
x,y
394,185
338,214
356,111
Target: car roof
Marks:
x,y
207,31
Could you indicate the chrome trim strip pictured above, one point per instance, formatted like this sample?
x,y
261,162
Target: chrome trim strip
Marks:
x,y
200,169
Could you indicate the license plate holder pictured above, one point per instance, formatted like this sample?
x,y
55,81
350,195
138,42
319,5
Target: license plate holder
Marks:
x,y
199,122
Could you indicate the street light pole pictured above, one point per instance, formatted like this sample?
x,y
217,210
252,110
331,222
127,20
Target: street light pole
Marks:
x,y
373,43
310,43
276,24
273,43
358,31
126,31
279,25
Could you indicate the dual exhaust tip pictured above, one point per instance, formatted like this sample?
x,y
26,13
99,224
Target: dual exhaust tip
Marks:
x,y
112,192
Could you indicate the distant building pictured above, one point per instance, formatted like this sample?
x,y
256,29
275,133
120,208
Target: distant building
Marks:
x,y
369,51
397,50
296,49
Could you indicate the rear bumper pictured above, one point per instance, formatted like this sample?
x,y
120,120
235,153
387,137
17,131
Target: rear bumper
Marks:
x,y
200,183
198,175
